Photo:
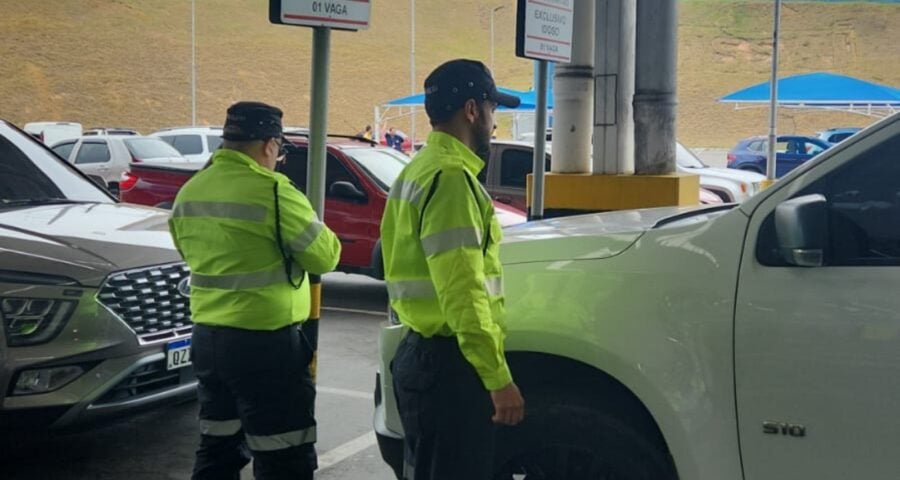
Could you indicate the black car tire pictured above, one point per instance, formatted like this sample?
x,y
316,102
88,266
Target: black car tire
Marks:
x,y
565,436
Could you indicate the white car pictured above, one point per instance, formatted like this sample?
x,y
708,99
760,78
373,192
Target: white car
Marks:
x,y
195,143
53,132
733,186
758,340
108,156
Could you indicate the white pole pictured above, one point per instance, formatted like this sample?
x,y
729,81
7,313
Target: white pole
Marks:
x,y
495,10
773,97
412,66
193,62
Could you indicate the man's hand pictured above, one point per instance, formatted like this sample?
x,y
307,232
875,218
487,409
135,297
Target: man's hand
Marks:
x,y
509,406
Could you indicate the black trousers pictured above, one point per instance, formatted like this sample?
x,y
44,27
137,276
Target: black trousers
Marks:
x,y
256,398
445,410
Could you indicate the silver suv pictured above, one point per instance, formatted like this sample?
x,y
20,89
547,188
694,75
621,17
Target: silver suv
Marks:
x,y
94,300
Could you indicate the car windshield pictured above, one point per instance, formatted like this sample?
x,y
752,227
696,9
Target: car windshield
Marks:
x,y
686,158
382,164
32,175
147,148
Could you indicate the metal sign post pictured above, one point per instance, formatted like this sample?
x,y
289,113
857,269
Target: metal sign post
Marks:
x,y
543,33
773,99
322,15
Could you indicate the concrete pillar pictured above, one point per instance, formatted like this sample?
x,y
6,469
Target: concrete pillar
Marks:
x,y
573,97
614,63
655,81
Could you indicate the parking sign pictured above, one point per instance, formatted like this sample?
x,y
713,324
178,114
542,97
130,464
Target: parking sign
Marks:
x,y
544,30
339,14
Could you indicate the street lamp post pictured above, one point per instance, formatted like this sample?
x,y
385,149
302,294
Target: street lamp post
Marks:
x,y
771,158
412,66
193,62
495,10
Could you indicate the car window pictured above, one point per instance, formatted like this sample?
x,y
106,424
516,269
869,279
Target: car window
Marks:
x,y
188,144
214,142
863,208
382,164
92,152
149,147
294,167
170,139
785,146
29,171
335,171
757,145
810,148
840,137
515,165
64,149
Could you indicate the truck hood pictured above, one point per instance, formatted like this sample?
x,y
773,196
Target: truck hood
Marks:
x,y
593,236
83,242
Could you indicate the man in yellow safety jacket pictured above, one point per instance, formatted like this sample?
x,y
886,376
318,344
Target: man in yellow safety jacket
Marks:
x,y
250,237
440,240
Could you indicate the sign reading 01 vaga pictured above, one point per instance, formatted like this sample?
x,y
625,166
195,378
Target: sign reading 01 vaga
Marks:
x,y
338,14
544,30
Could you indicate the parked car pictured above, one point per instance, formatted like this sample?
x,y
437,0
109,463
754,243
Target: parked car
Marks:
x,y
757,340
511,162
837,135
108,156
53,132
195,143
791,151
93,301
111,131
358,177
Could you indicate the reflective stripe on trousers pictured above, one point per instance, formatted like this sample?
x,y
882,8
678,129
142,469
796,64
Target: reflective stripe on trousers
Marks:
x,y
281,441
220,428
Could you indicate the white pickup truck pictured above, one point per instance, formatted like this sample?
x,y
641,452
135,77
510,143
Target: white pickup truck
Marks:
x,y
759,341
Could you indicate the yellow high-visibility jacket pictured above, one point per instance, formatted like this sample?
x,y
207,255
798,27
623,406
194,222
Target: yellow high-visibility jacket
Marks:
x,y
224,225
440,239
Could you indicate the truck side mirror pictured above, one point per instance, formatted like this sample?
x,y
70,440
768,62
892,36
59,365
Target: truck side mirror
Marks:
x,y
347,191
801,225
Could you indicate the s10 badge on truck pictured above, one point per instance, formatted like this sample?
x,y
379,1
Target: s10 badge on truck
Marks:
x,y
786,429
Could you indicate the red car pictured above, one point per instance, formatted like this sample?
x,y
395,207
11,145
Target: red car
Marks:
x,y
358,175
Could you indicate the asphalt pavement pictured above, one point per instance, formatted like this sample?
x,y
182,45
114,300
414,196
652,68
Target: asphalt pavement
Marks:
x,y
160,443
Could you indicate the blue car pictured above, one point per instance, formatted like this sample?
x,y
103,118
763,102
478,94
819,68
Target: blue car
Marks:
x,y
790,152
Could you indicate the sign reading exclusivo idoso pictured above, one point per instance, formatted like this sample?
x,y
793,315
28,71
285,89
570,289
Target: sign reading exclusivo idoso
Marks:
x,y
544,30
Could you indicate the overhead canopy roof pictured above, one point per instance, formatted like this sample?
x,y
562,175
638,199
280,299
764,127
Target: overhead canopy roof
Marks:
x,y
822,90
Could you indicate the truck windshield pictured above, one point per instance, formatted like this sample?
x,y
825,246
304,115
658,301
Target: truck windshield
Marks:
x,y
382,164
30,174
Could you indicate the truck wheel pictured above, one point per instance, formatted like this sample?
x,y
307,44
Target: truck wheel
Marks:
x,y
562,437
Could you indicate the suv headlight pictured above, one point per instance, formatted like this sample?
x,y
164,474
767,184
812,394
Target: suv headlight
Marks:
x,y
32,321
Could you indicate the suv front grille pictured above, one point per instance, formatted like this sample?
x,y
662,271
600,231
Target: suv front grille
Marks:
x,y
149,301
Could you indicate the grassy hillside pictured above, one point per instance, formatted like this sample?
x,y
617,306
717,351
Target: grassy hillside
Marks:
x,y
127,62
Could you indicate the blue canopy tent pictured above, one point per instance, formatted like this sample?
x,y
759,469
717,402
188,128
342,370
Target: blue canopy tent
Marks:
x,y
404,106
822,91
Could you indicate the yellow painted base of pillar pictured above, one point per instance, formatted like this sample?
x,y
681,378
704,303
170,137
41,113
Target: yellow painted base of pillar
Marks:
x,y
764,184
596,193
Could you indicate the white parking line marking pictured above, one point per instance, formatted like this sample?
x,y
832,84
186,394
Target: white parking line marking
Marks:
x,y
345,451
345,392
354,310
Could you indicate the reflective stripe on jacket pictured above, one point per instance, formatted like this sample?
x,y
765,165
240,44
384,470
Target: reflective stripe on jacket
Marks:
x,y
223,223
440,240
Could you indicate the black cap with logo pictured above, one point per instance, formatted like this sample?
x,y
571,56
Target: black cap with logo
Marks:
x,y
248,121
450,85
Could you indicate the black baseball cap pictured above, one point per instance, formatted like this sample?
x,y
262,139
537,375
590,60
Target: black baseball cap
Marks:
x,y
252,121
450,85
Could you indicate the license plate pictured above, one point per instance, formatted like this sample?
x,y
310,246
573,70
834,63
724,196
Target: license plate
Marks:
x,y
178,354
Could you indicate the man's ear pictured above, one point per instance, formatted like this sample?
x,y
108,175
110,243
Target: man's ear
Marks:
x,y
471,110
